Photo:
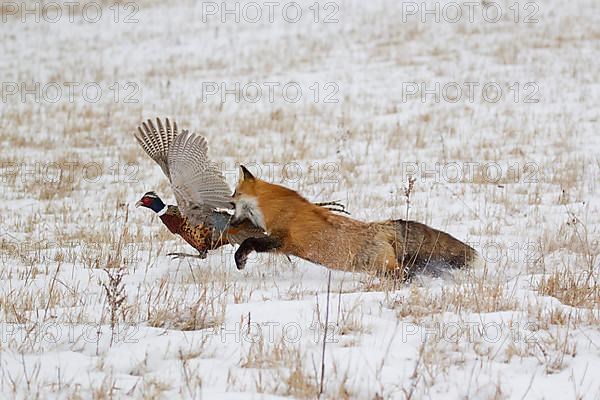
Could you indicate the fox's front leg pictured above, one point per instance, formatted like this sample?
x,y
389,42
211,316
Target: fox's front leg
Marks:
x,y
260,245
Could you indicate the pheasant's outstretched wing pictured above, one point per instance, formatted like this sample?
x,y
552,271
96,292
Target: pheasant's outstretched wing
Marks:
x,y
197,183
157,141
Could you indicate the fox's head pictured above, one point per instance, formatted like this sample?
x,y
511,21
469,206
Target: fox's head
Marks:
x,y
245,199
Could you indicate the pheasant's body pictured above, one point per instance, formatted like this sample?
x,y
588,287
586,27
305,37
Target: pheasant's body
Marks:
x,y
215,233
199,237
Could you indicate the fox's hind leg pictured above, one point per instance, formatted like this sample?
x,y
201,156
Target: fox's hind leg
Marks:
x,y
386,258
260,245
378,257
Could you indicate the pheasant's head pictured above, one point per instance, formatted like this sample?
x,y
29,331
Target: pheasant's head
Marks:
x,y
151,201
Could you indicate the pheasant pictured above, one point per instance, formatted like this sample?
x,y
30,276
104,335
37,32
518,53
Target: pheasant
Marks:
x,y
202,216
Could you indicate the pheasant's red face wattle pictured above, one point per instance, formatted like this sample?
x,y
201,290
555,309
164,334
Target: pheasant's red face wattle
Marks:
x,y
147,201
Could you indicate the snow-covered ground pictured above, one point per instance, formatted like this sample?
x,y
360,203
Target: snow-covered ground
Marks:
x,y
496,118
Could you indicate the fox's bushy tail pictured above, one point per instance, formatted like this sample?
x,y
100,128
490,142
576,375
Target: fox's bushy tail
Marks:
x,y
422,249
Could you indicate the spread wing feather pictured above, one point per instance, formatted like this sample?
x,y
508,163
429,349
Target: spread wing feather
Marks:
x,y
197,183
156,142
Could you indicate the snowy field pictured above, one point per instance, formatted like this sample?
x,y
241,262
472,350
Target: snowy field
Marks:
x,y
496,117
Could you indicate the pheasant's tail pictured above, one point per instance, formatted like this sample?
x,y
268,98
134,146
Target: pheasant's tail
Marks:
x,y
335,206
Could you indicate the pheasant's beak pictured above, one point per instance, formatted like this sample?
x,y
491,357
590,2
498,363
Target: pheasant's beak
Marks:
x,y
138,204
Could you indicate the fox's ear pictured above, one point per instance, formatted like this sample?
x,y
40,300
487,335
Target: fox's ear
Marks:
x,y
246,175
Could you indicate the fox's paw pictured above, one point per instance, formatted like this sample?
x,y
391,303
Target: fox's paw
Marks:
x,y
240,259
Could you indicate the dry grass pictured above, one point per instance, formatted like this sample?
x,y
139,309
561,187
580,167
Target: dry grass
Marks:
x,y
571,288
63,232
286,364
478,295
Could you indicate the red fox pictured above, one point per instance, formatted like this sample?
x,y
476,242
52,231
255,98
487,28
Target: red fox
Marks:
x,y
296,227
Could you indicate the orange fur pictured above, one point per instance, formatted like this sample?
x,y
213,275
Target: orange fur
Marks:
x,y
316,234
